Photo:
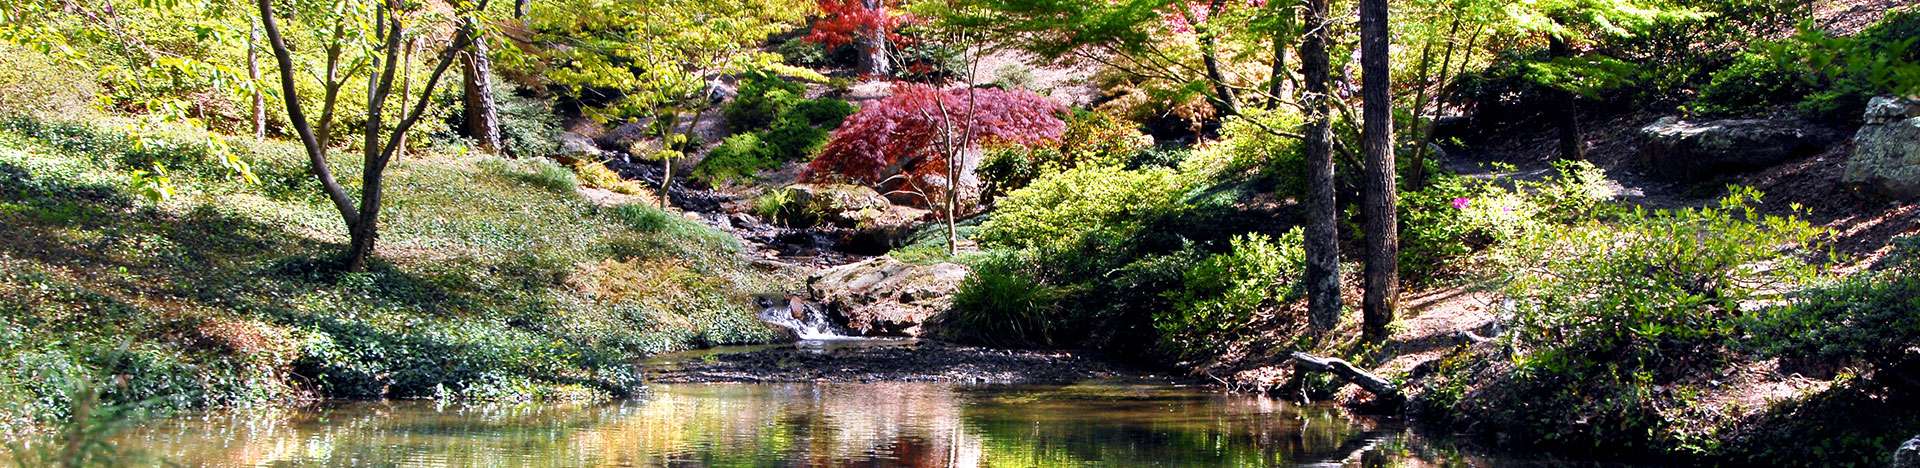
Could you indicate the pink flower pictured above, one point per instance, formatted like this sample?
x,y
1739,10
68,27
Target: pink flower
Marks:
x,y
1461,203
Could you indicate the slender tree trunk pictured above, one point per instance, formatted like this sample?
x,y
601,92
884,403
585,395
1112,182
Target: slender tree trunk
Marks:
x,y
874,57
406,85
1224,101
1383,245
1279,89
482,116
1566,109
1322,232
253,77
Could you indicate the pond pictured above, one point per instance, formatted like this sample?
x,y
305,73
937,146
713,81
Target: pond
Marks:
x,y
806,424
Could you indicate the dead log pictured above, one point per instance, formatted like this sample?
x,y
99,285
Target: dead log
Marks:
x,y
1379,386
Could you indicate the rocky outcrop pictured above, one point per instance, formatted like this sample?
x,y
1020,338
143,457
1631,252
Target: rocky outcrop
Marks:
x,y
575,147
1908,455
1699,150
1886,150
886,297
874,224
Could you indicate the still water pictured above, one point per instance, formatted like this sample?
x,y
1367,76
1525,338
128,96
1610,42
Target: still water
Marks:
x,y
805,424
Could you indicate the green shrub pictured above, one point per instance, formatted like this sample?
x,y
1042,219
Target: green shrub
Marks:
x,y
1222,294
738,158
528,126
1655,290
763,97
802,52
791,139
33,84
1768,75
1004,304
1869,319
1082,206
1014,76
825,113
1091,139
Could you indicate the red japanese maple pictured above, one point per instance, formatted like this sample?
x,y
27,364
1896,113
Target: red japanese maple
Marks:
x,y
897,136
843,21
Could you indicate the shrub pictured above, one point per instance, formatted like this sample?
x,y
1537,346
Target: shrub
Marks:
x,y
28,85
1004,304
791,139
1222,294
597,175
824,113
1869,319
763,97
738,158
1082,206
528,126
1014,76
541,173
1656,290
1769,75
802,52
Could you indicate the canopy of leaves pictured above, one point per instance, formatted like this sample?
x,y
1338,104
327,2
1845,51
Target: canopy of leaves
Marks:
x,y
897,135
843,21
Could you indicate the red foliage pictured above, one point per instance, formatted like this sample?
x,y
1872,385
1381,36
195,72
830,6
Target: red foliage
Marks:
x,y
842,21
897,135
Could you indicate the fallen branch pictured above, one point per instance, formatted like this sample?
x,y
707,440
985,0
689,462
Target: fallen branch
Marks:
x,y
1379,386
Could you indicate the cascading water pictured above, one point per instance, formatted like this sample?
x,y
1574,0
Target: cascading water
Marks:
x,y
807,320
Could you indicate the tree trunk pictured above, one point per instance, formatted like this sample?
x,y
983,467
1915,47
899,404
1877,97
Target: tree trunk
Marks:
x,y
1224,102
1566,109
1322,233
482,116
1376,141
1278,89
875,61
253,77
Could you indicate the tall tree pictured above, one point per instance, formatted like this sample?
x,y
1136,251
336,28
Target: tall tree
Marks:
x,y
382,48
481,114
1322,232
866,24
1379,199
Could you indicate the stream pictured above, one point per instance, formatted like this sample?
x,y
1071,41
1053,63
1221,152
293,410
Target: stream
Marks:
x,y
808,424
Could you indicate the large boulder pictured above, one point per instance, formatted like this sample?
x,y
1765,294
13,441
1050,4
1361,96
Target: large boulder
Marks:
x,y
1886,150
1908,455
873,224
1699,150
886,297
575,147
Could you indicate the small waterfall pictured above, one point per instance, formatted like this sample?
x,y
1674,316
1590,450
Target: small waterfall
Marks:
x,y
807,320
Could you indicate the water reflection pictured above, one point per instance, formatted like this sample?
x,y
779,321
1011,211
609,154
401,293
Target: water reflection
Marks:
x,y
801,424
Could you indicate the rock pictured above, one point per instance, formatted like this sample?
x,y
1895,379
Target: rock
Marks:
x,y
886,297
1908,455
838,204
719,92
1699,150
575,147
1886,150
625,135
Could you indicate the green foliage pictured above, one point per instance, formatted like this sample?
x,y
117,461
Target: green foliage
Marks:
x,y
1655,290
1866,320
1081,207
802,52
1014,76
823,113
1223,294
763,97
1091,139
528,126
27,85
1004,304
496,290
1826,76
1455,216
739,158
541,173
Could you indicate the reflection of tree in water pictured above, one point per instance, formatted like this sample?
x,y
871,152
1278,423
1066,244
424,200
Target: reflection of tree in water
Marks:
x,y
891,424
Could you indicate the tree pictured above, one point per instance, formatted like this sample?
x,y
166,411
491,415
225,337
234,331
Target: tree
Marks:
x,y
480,114
339,35
1322,232
894,143
1380,199
1567,72
869,25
